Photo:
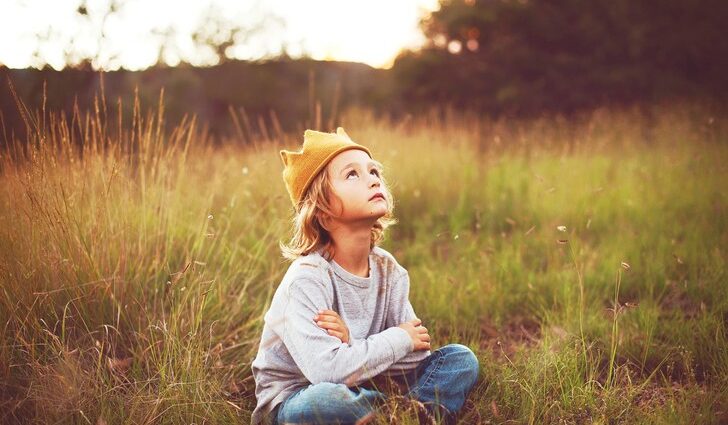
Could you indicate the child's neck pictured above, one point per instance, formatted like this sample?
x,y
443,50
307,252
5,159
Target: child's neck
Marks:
x,y
352,248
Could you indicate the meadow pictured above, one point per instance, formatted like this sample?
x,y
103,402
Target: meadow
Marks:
x,y
582,259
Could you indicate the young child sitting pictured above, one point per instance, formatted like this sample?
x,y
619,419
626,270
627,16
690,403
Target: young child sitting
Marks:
x,y
341,316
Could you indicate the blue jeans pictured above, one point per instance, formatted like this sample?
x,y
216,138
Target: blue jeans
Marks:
x,y
442,382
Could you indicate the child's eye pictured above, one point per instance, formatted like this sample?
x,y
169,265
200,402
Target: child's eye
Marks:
x,y
375,171
350,173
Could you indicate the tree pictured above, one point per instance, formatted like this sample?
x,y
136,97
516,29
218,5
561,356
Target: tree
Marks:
x,y
529,55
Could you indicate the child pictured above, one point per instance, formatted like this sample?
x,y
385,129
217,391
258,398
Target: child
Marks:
x,y
341,315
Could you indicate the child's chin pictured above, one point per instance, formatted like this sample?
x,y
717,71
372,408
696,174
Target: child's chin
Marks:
x,y
375,214
379,214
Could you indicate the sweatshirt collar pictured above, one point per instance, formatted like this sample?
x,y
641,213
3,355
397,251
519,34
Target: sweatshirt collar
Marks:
x,y
351,278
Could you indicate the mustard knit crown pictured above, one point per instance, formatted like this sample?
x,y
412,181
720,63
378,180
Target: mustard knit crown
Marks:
x,y
318,149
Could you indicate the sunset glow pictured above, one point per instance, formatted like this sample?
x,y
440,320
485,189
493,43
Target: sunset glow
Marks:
x,y
143,32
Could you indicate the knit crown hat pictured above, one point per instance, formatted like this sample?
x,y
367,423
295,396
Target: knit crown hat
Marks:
x,y
318,149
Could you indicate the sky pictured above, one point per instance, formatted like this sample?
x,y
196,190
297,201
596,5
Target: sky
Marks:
x,y
142,32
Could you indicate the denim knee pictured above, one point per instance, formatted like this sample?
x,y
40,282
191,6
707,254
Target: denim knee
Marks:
x,y
466,357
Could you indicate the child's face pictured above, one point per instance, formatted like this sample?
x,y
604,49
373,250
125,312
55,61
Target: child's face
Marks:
x,y
355,179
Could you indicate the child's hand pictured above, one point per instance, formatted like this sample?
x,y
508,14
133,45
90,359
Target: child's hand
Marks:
x,y
418,333
330,320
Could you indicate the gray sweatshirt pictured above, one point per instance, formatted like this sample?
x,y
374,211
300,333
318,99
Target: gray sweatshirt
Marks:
x,y
295,352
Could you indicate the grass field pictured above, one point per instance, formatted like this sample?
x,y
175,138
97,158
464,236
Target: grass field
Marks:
x,y
136,264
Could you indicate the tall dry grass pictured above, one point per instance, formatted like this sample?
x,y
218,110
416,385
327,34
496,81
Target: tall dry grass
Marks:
x,y
137,259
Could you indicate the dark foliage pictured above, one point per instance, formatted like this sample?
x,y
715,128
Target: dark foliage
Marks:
x,y
532,55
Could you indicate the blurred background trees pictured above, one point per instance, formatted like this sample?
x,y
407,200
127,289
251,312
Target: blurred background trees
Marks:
x,y
498,57
523,56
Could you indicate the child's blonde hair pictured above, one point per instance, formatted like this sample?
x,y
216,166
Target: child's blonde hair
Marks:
x,y
309,234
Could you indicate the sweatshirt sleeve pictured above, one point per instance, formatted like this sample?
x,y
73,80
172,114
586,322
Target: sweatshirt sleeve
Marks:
x,y
401,311
324,358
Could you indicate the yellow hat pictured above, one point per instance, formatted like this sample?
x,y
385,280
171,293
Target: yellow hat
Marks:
x,y
318,149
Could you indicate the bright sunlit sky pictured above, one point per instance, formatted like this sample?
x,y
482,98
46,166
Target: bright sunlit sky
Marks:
x,y
36,32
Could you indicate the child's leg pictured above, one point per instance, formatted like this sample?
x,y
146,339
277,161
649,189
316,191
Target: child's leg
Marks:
x,y
444,378
330,404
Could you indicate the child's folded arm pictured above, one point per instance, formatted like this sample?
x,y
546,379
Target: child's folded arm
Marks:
x,y
400,310
324,358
